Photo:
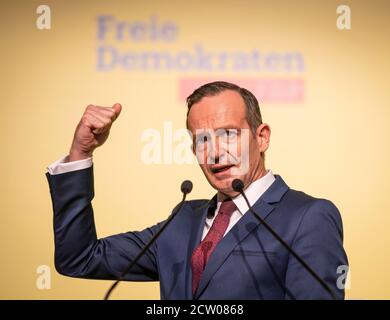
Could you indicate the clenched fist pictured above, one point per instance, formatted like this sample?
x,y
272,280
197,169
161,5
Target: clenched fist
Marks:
x,y
92,130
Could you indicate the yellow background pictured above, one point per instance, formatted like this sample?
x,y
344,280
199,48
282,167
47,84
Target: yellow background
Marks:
x,y
335,144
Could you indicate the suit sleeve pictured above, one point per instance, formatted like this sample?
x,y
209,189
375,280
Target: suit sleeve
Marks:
x,y
78,251
319,241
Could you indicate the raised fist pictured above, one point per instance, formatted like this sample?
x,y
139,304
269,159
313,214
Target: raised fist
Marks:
x,y
92,130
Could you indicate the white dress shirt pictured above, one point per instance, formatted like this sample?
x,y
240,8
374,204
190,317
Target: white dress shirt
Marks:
x,y
253,192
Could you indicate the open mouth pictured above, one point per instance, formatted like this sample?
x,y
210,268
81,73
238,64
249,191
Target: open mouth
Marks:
x,y
221,169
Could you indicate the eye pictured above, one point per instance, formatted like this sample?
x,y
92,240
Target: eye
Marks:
x,y
201,140
228,134
232,133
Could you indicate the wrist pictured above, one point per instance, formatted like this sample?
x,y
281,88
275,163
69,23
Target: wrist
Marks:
x,y
75,155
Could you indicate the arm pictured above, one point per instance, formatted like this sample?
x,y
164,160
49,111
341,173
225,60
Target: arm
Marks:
x,y
319,241
78,252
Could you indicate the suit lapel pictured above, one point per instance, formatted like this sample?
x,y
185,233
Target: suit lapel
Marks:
x,y
240,231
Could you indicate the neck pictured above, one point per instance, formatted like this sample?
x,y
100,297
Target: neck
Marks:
x,y
258,174
261,172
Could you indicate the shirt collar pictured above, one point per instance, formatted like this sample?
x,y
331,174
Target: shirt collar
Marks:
x,y
253,192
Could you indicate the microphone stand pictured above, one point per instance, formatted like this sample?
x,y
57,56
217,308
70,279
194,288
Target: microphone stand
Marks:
x,y
186,188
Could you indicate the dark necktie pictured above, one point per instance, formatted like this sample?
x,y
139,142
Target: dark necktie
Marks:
x,y
202,253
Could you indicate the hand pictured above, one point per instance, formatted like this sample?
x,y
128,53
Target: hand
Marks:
x,y
92,130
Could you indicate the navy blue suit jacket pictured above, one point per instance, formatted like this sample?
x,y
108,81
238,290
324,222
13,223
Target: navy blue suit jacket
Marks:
x,y
248,263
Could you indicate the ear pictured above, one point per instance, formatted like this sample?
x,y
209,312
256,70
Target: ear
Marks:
x,y
263,135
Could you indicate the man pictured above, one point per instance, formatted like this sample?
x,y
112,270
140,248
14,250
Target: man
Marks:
x,y
213,249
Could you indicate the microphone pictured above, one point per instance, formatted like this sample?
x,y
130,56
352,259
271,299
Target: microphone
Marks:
x,y
186,188
238,186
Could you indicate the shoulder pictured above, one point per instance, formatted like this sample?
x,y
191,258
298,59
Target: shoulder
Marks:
x,y
312,211
194,205
301,199
198,203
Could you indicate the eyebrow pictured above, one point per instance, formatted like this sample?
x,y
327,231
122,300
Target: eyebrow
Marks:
x,y
229,126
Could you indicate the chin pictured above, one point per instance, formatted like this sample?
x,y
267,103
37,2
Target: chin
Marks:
x,y
224,186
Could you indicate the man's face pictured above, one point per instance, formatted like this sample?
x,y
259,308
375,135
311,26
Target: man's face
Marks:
x,y
223,142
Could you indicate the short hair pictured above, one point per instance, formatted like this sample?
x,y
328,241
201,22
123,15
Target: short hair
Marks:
x,y
253,115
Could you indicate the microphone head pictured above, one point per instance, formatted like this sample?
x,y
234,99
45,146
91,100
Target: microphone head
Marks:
x,y
186,186
237,185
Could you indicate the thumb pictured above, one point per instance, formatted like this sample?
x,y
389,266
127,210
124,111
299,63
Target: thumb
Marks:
x,y
117,107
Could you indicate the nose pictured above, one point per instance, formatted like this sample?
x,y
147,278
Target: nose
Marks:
x,y
214,153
